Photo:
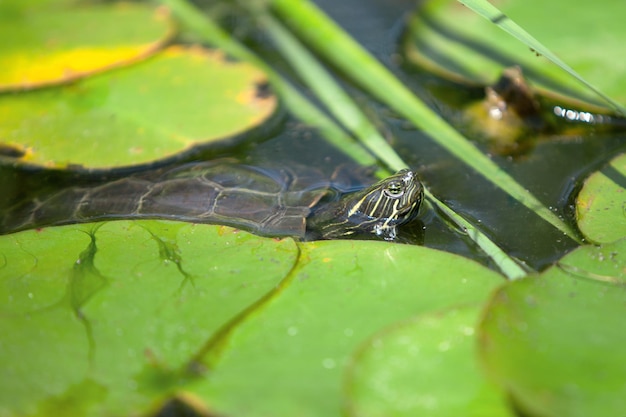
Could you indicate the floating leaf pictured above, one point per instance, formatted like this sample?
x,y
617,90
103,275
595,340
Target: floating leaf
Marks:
x,y
554,341
109,314
179,100
40,46
601,203
425,366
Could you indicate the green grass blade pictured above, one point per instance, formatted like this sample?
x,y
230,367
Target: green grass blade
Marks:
x,y
495,16
334,44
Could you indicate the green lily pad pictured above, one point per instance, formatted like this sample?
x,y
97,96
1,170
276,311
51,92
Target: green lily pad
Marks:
x,y
182,99
425,366
102,319
53,43
554,342
448,38
116,318
601,203
289,358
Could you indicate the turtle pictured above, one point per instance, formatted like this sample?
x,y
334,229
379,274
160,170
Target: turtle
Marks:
x,y
273,202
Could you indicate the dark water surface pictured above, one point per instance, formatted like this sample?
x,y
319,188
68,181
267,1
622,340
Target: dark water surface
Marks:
x,y
552,170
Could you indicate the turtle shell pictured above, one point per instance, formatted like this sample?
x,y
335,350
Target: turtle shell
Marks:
x,y
269,202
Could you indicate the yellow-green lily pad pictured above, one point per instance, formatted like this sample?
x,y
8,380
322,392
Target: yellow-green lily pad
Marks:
x,y
448,38
601,203
181,99
47,45
554,342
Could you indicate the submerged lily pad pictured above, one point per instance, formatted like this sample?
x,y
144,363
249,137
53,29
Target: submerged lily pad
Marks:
x,y
117,318
182,99
425,366
601,203
45,45
448,38
554,342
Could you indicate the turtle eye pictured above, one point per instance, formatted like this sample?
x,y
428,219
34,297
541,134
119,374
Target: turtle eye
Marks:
x,y
394,189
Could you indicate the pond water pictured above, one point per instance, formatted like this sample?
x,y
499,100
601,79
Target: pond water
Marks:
x,y
552,169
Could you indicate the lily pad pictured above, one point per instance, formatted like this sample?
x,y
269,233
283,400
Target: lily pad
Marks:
x,y
448,38
182,99
425,366
601,203
554,341
41,46
103,319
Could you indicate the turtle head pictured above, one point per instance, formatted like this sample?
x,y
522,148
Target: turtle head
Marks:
x,y
391,202
378,209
